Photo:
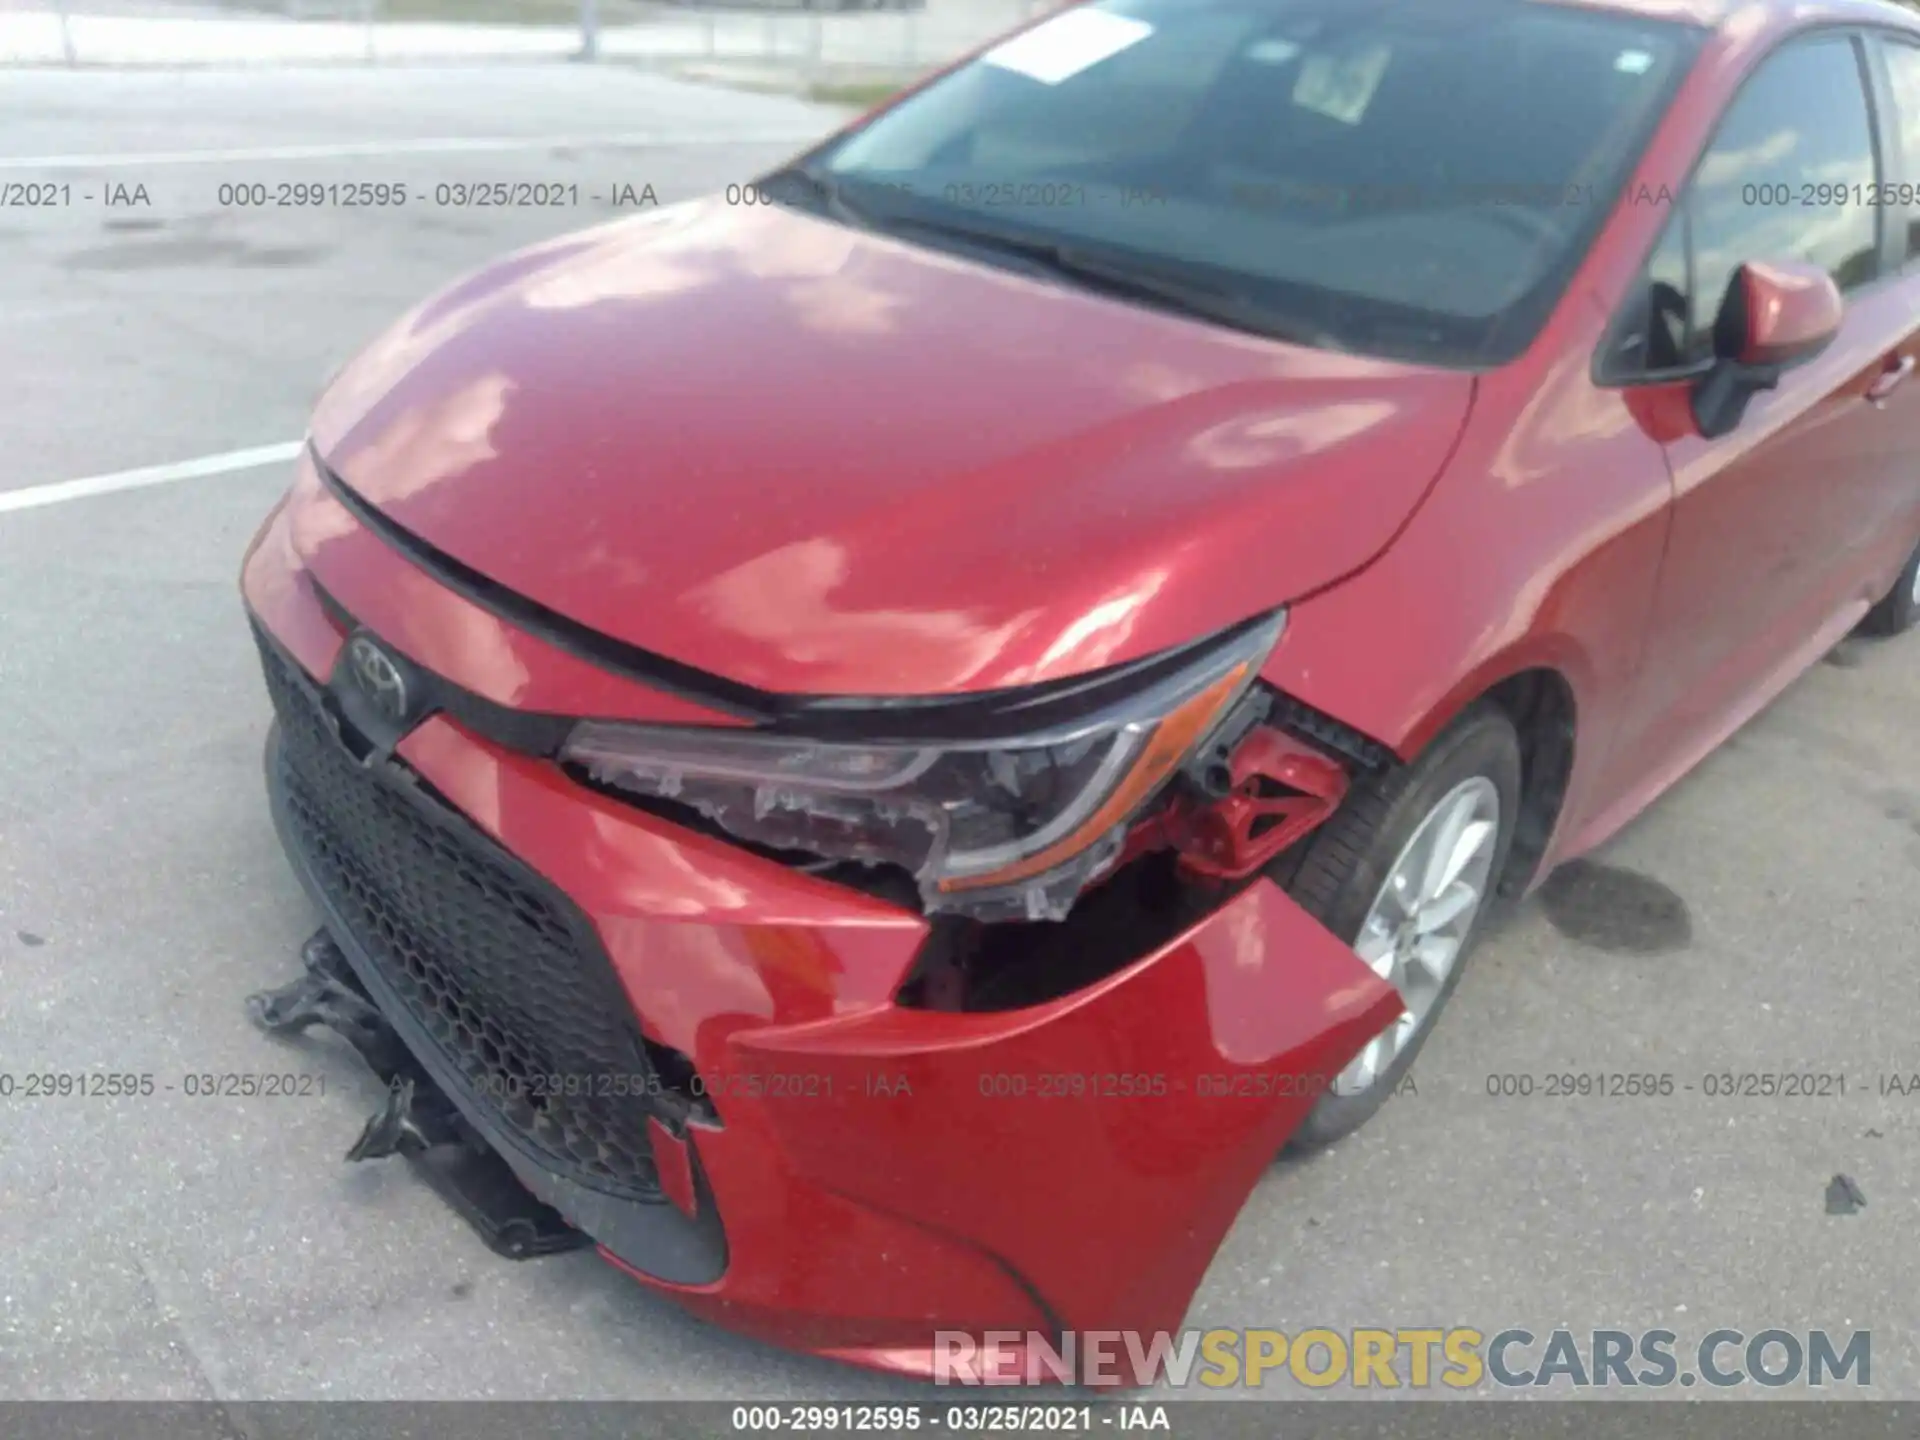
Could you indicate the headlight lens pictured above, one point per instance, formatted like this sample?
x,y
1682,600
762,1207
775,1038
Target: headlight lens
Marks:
x,y
1003,828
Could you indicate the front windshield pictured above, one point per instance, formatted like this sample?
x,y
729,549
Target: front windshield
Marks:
x,y
1394,177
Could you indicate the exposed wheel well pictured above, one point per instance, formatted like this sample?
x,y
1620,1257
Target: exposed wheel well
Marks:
x,y
1540,705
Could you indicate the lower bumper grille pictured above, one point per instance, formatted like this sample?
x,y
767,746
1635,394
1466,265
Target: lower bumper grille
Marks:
x,y
498,967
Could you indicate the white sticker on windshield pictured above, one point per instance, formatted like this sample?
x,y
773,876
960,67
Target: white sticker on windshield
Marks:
x,y
1272,52
1067,44
1633,62
1341,86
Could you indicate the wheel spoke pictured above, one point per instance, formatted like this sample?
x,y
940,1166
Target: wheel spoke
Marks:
x,y
1399,897
1374,1054
1385,1046
1437,914
1375,947
1367,1066
1448,828
1449,865
1434,956
1359,1072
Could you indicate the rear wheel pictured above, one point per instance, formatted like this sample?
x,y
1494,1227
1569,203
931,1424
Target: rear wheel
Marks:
x,y
1406,872
1900,611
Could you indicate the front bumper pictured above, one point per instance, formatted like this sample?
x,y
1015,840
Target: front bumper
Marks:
x,y
861,1174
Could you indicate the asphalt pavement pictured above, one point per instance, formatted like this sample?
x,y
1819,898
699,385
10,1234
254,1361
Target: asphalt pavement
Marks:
x,y
1761,919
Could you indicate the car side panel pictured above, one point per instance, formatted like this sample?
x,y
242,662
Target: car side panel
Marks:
x,y
1772,520
1894,522
1540,547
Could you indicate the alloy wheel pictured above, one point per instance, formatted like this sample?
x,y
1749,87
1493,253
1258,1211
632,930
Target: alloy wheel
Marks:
x,y
1421,917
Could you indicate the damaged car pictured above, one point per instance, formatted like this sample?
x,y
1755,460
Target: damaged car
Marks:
x,y
877,747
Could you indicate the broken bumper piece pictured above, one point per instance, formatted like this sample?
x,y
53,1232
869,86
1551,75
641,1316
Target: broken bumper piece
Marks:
x,y
416,1120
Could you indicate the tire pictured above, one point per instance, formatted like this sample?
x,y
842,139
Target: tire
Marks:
x,y
1900,610
1339,873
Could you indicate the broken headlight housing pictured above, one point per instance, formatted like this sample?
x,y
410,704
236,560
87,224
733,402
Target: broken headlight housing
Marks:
x,y
1014,826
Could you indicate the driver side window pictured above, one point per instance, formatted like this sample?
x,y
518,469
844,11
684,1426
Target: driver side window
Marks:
x,y
1654,337
1788,176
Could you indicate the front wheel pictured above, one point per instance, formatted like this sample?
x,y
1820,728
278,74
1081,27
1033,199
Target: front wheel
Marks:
x,y
1900,610
1406,872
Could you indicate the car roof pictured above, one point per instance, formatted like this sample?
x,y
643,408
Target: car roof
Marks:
x,y
1759,14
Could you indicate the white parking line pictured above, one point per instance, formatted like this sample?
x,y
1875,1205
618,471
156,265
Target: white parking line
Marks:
x,y
62,491
56,310
452,145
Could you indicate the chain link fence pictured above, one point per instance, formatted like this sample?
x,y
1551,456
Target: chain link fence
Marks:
x,y
805,38
900,37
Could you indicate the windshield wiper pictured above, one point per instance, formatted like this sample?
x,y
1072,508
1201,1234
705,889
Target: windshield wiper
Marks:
x,y
828,195
1093,271
1232,308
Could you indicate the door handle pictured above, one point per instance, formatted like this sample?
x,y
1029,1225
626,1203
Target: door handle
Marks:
x,y
1891,379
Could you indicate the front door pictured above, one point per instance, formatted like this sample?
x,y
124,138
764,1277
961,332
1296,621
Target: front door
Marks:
x,y
1758,572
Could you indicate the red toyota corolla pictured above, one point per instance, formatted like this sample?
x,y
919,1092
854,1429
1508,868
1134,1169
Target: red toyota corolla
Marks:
x,y
880,751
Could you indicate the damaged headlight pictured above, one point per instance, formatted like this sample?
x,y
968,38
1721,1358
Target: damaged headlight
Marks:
x,y
1008,827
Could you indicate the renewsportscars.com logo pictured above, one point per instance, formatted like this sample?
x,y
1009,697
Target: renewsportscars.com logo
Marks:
x,y
1417,1358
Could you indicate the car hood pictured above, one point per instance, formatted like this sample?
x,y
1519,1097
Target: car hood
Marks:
x,y
818,460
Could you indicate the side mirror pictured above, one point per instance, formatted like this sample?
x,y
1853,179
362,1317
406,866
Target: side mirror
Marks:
x,y
1775,315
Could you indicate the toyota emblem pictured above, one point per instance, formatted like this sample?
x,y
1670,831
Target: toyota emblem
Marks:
x,y
378,677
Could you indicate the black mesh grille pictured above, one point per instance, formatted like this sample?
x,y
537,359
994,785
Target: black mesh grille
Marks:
x,y
487,957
